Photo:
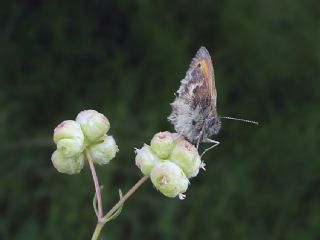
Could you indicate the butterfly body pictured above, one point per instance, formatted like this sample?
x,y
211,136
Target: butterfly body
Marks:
x,y
194,113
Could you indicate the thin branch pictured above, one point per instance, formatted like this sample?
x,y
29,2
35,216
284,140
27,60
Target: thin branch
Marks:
x,y
96,185
125,197
103,220
97,231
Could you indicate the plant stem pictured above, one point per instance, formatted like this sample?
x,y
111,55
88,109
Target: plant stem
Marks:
x,y
103,220
125,197
97,231
96,185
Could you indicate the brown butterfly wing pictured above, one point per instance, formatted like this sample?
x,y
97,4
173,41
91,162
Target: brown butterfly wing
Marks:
x,y
202,62
196,98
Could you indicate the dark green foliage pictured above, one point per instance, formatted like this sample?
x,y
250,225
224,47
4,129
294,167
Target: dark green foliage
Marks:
x,y
125,59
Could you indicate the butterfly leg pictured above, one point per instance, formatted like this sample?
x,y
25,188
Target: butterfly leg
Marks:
x,y
214,144
198,142
200,136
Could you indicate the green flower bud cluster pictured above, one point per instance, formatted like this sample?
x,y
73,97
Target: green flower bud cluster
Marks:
x,y
170,161
88,132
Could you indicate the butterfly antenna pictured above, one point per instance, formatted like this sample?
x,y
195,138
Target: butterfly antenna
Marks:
x,y
242,120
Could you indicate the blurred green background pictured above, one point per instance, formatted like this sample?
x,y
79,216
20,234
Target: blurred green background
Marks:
x,y
126,59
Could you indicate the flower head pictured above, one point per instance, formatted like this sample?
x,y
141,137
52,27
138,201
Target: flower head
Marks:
x,y
68,165
170,161
69,138
87,133
162,144
93,124
103,152
146,159
186,156
169,179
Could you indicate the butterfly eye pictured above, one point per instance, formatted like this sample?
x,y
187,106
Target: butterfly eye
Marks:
x,y
193,122
199,65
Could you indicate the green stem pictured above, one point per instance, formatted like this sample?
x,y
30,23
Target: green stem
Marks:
x,y
125,197
96,184
97,231
101,223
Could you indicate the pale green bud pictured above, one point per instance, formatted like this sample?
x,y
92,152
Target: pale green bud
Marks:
x,y
186,156
68,165
69,138
103,152
162,144
169,179
93,124
146,159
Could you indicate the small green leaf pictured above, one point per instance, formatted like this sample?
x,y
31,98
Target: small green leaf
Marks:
x,y
116,214
95,203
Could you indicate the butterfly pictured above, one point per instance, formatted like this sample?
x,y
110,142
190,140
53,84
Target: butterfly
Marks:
x,y
194,111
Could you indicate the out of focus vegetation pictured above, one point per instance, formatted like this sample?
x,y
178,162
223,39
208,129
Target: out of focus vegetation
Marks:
x,y
126,59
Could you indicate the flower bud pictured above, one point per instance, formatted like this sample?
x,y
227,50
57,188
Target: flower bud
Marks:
x,y
68,165
93,124
69,138
103,152
169,179
146,159
186,156
162,144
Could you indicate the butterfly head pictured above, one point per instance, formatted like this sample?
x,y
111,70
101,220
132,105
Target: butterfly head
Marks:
x,y
212,126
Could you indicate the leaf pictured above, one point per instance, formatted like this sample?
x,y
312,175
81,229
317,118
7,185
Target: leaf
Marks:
x,y
95,202
116,214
